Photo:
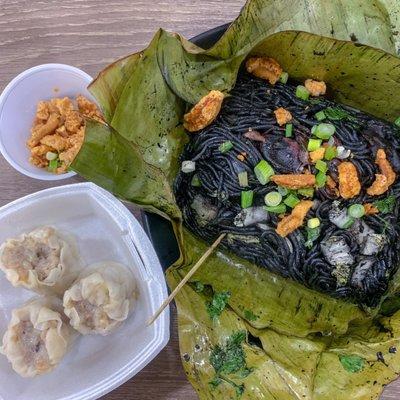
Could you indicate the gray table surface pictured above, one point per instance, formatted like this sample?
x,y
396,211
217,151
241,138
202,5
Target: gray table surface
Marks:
x,y
91,34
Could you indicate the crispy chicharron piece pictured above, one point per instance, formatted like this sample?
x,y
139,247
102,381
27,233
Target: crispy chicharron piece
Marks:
x,y
282,116
349,183
370,209
264,67
316,88
41,131
317,154
204,112
293,181
385,179
295,220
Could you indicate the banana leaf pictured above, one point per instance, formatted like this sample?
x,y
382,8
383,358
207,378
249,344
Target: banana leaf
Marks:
x,y
300,344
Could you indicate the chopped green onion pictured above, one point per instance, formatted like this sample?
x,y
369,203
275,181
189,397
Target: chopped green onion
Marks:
x,y
302,92
291,201
226,146
263,172
330,153
320,116
51,156
314,144
397,122
273,199
320,179
348,223
323,131
282,190
289,130
313,223
356,210
188,166
312,235
306,192
53,165
280,209
195,181
243,179
284,77
321,166
247,198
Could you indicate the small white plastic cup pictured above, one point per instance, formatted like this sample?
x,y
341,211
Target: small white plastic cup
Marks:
x,y
18,108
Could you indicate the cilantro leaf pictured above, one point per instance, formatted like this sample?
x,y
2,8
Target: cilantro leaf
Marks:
x,y
198,286
215,382
230,358
385,206
249,315
337,114
352,363
218,303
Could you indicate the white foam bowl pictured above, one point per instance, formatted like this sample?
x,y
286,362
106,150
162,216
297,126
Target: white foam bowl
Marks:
x,y
18,108
105,230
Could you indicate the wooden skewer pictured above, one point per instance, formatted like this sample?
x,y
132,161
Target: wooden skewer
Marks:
x,y
186,278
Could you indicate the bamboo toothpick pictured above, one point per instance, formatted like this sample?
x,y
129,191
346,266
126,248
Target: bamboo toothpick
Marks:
x,y
186,278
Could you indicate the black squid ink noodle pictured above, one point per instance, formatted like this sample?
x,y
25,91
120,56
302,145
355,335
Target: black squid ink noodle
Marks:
x,y
346,263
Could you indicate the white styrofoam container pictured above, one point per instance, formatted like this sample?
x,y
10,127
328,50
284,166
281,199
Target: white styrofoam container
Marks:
x,y
105,230
18,109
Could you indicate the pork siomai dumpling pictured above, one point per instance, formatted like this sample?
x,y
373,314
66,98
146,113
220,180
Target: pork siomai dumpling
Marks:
x,y
37,338
101,298
44,260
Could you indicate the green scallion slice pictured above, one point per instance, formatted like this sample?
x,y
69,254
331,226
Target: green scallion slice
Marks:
x,y
397,122
320,116
314,144
302,92
313,223
195,181
306,192
356,211
289,130
291,201
53,165
243,179
263,172
324,131
51,156
321,166
280,209
282,190
330,153
226,146
320,179
284,77
246,198
348,223
273,199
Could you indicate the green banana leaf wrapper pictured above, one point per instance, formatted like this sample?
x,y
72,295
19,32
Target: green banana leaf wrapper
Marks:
x,y
297,343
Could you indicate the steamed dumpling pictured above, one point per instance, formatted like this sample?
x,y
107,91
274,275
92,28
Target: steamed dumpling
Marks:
x,y
44,260
101,299
37,338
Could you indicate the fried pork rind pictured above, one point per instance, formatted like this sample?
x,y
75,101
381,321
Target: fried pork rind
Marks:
x,y
370,209
282,116
37,338
349,183
316,88
295,220
101,299
331,186
385,179
264,67
204,112
317,154
59,128
44,260
293,181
